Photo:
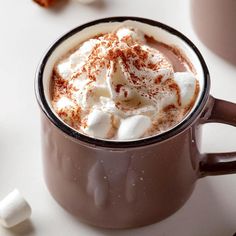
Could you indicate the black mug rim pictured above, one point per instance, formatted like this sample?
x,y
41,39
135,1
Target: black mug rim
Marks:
x,y
39,90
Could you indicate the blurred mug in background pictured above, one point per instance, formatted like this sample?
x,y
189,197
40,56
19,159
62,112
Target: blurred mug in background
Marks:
x,y
215,23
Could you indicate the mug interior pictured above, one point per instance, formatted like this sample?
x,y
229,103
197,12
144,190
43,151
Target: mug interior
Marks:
x,y
158,31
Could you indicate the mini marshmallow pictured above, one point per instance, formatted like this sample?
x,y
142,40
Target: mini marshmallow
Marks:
x,y
80,56
67,106
99,124
64,69
187,84
14,209
63,102
136,35
133,127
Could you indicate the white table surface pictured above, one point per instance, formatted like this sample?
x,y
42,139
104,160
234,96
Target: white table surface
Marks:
x,y
26,31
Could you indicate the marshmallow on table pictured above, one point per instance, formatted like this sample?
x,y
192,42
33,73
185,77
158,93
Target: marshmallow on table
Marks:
x,y
14,209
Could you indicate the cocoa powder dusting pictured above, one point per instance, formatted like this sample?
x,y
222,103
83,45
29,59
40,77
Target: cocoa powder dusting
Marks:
x,y
118,87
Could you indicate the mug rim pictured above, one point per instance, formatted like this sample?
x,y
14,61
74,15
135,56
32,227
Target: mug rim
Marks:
x,y
179,128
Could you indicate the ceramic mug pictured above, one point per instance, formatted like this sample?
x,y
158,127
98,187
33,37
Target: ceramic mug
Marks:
x,y
123,184
215,24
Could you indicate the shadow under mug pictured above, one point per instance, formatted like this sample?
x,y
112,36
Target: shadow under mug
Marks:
x,y
124,184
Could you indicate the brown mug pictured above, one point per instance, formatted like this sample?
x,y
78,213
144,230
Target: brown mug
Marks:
x,y
123,184
215,24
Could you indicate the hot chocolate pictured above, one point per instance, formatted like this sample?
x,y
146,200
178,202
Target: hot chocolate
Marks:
x,y
123,85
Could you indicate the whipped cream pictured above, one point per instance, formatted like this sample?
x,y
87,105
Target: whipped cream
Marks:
x,y
115,86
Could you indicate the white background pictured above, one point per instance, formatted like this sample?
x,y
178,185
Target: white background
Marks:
x,y
26,31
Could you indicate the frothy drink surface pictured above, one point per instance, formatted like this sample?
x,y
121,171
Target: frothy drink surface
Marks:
x,y
123,85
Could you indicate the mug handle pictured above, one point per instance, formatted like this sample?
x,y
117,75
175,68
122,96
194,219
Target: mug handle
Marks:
x,y
218,111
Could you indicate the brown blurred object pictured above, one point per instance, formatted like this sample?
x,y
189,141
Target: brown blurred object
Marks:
x,y
44,3
214,22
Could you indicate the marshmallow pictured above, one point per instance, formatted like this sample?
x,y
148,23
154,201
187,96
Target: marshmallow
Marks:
x,y
76,60
14,209
99,124
134,34
133,127
67,107
80,56
63,102
187,84
63,69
